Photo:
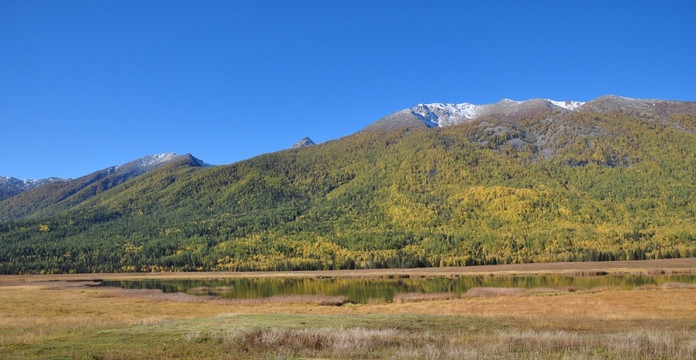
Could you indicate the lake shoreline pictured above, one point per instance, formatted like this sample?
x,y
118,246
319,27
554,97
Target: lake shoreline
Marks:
x,y
591,268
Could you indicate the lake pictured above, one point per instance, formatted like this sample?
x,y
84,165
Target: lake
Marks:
x,y
384,289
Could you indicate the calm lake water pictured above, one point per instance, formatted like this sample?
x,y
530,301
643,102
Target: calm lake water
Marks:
x,y
361,290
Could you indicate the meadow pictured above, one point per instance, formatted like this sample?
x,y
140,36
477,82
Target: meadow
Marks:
x,y
67,317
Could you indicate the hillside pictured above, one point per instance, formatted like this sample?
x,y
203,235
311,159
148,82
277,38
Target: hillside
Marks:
x,y
55,196
607,182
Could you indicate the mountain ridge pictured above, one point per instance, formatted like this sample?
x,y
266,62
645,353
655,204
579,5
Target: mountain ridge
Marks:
x,y
54,196
447,114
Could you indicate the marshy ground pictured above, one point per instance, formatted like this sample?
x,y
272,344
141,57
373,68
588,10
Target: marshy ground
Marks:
x,y
62,316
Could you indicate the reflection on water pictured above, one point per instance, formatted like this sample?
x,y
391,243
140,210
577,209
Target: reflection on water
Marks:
x,y
360,290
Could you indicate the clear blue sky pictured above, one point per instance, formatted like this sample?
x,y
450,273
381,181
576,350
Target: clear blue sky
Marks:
x,y
89,84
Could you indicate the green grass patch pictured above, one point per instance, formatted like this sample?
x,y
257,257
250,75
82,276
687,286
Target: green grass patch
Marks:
x,y
402,336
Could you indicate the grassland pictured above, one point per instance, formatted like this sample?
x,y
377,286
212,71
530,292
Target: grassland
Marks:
x,y
51,317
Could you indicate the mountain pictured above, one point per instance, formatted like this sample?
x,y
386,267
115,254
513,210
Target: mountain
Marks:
x,y
10,186
440,114
507,121
303,143
532,181
55,196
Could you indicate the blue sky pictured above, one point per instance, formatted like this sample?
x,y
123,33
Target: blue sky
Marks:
x,y
89,84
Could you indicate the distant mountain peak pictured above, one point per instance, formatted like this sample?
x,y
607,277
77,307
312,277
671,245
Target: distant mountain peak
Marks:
x,y
303,143
30,181
150,162
10,186
158,158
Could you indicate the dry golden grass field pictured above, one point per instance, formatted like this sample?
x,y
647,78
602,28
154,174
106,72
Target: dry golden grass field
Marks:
x,y
61,316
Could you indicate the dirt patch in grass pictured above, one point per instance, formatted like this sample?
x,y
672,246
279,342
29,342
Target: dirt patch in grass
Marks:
x,y
408,297
491,292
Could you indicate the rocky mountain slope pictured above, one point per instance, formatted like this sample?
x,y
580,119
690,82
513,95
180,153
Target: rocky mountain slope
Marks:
x,y
440,114
303,143
507,122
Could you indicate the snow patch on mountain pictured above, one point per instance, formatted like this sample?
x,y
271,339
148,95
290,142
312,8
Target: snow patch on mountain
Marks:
x,y
11,186
568,105
149,162
28,183
157,159
443,114
439,114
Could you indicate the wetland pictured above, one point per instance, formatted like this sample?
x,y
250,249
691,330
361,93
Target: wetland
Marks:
x,y
387,288
635,310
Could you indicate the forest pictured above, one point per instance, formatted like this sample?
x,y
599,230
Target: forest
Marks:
x,y
600,186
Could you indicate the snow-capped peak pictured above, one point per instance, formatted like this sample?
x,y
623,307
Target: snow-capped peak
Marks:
x,y
11,186
148,162
28,182
440,114
568,105
156,159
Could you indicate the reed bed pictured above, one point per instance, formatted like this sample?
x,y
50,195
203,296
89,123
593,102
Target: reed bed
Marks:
x,y
402,344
